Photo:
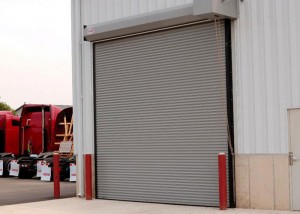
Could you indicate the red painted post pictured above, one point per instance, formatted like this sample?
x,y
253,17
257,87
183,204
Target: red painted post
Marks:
x,y
88,177
222,181
56,175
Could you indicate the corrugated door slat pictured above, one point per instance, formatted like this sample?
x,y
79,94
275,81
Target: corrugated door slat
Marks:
x,y
159,116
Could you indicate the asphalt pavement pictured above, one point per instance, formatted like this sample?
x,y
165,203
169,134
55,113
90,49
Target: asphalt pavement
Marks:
x,y
15,191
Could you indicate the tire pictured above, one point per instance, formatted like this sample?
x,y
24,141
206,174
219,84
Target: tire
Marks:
x,y
6,163
62,176
24,174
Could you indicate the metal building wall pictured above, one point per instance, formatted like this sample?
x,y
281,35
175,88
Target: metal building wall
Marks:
x,y
96,11
267,69
86,12
267,82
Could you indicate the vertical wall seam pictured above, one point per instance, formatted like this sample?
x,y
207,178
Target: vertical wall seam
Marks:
x,y
276,147
265,83
252,79
293,102
130,10
122,6
98,14
113,9
240,109
289,52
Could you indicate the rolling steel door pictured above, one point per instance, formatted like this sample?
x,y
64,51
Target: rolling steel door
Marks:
x,y
160,116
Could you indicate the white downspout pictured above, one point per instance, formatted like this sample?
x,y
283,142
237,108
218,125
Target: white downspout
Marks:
x,y
77,93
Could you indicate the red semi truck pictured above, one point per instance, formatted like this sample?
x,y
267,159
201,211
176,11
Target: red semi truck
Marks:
x,y
32,133
37,128
9,132
9,138
60,131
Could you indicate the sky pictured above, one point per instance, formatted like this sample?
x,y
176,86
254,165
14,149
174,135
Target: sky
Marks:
x,y
35,52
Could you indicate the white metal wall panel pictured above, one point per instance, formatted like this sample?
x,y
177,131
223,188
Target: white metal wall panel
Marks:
x,y
92,12
98,11
267,66
160,116
267,51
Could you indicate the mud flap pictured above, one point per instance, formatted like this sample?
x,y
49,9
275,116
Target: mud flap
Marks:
x,y
14,168
72,172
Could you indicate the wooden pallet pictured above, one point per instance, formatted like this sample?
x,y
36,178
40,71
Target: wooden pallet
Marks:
x,y
66,147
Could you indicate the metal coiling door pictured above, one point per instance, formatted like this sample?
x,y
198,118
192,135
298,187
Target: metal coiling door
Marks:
x,y
160,119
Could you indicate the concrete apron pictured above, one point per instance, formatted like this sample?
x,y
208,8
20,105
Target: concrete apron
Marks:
x,y
76,205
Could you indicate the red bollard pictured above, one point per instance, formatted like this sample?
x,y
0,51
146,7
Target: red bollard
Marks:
x,y
88,177
56,175
222,181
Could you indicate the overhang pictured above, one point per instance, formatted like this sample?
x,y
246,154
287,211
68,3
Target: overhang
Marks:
x,y
199,11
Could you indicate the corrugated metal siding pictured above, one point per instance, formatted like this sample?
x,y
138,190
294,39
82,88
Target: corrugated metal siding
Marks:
x,y
92,12
97,11
267,80
267,71
160,120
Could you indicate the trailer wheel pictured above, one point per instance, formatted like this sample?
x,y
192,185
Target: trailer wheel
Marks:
x,y
23,175
61,178
6,166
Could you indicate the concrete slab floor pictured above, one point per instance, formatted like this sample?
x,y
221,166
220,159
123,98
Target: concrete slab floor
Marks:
x,y
76,205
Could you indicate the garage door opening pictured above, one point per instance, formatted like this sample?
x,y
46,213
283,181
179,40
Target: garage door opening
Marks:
x,y
163,111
